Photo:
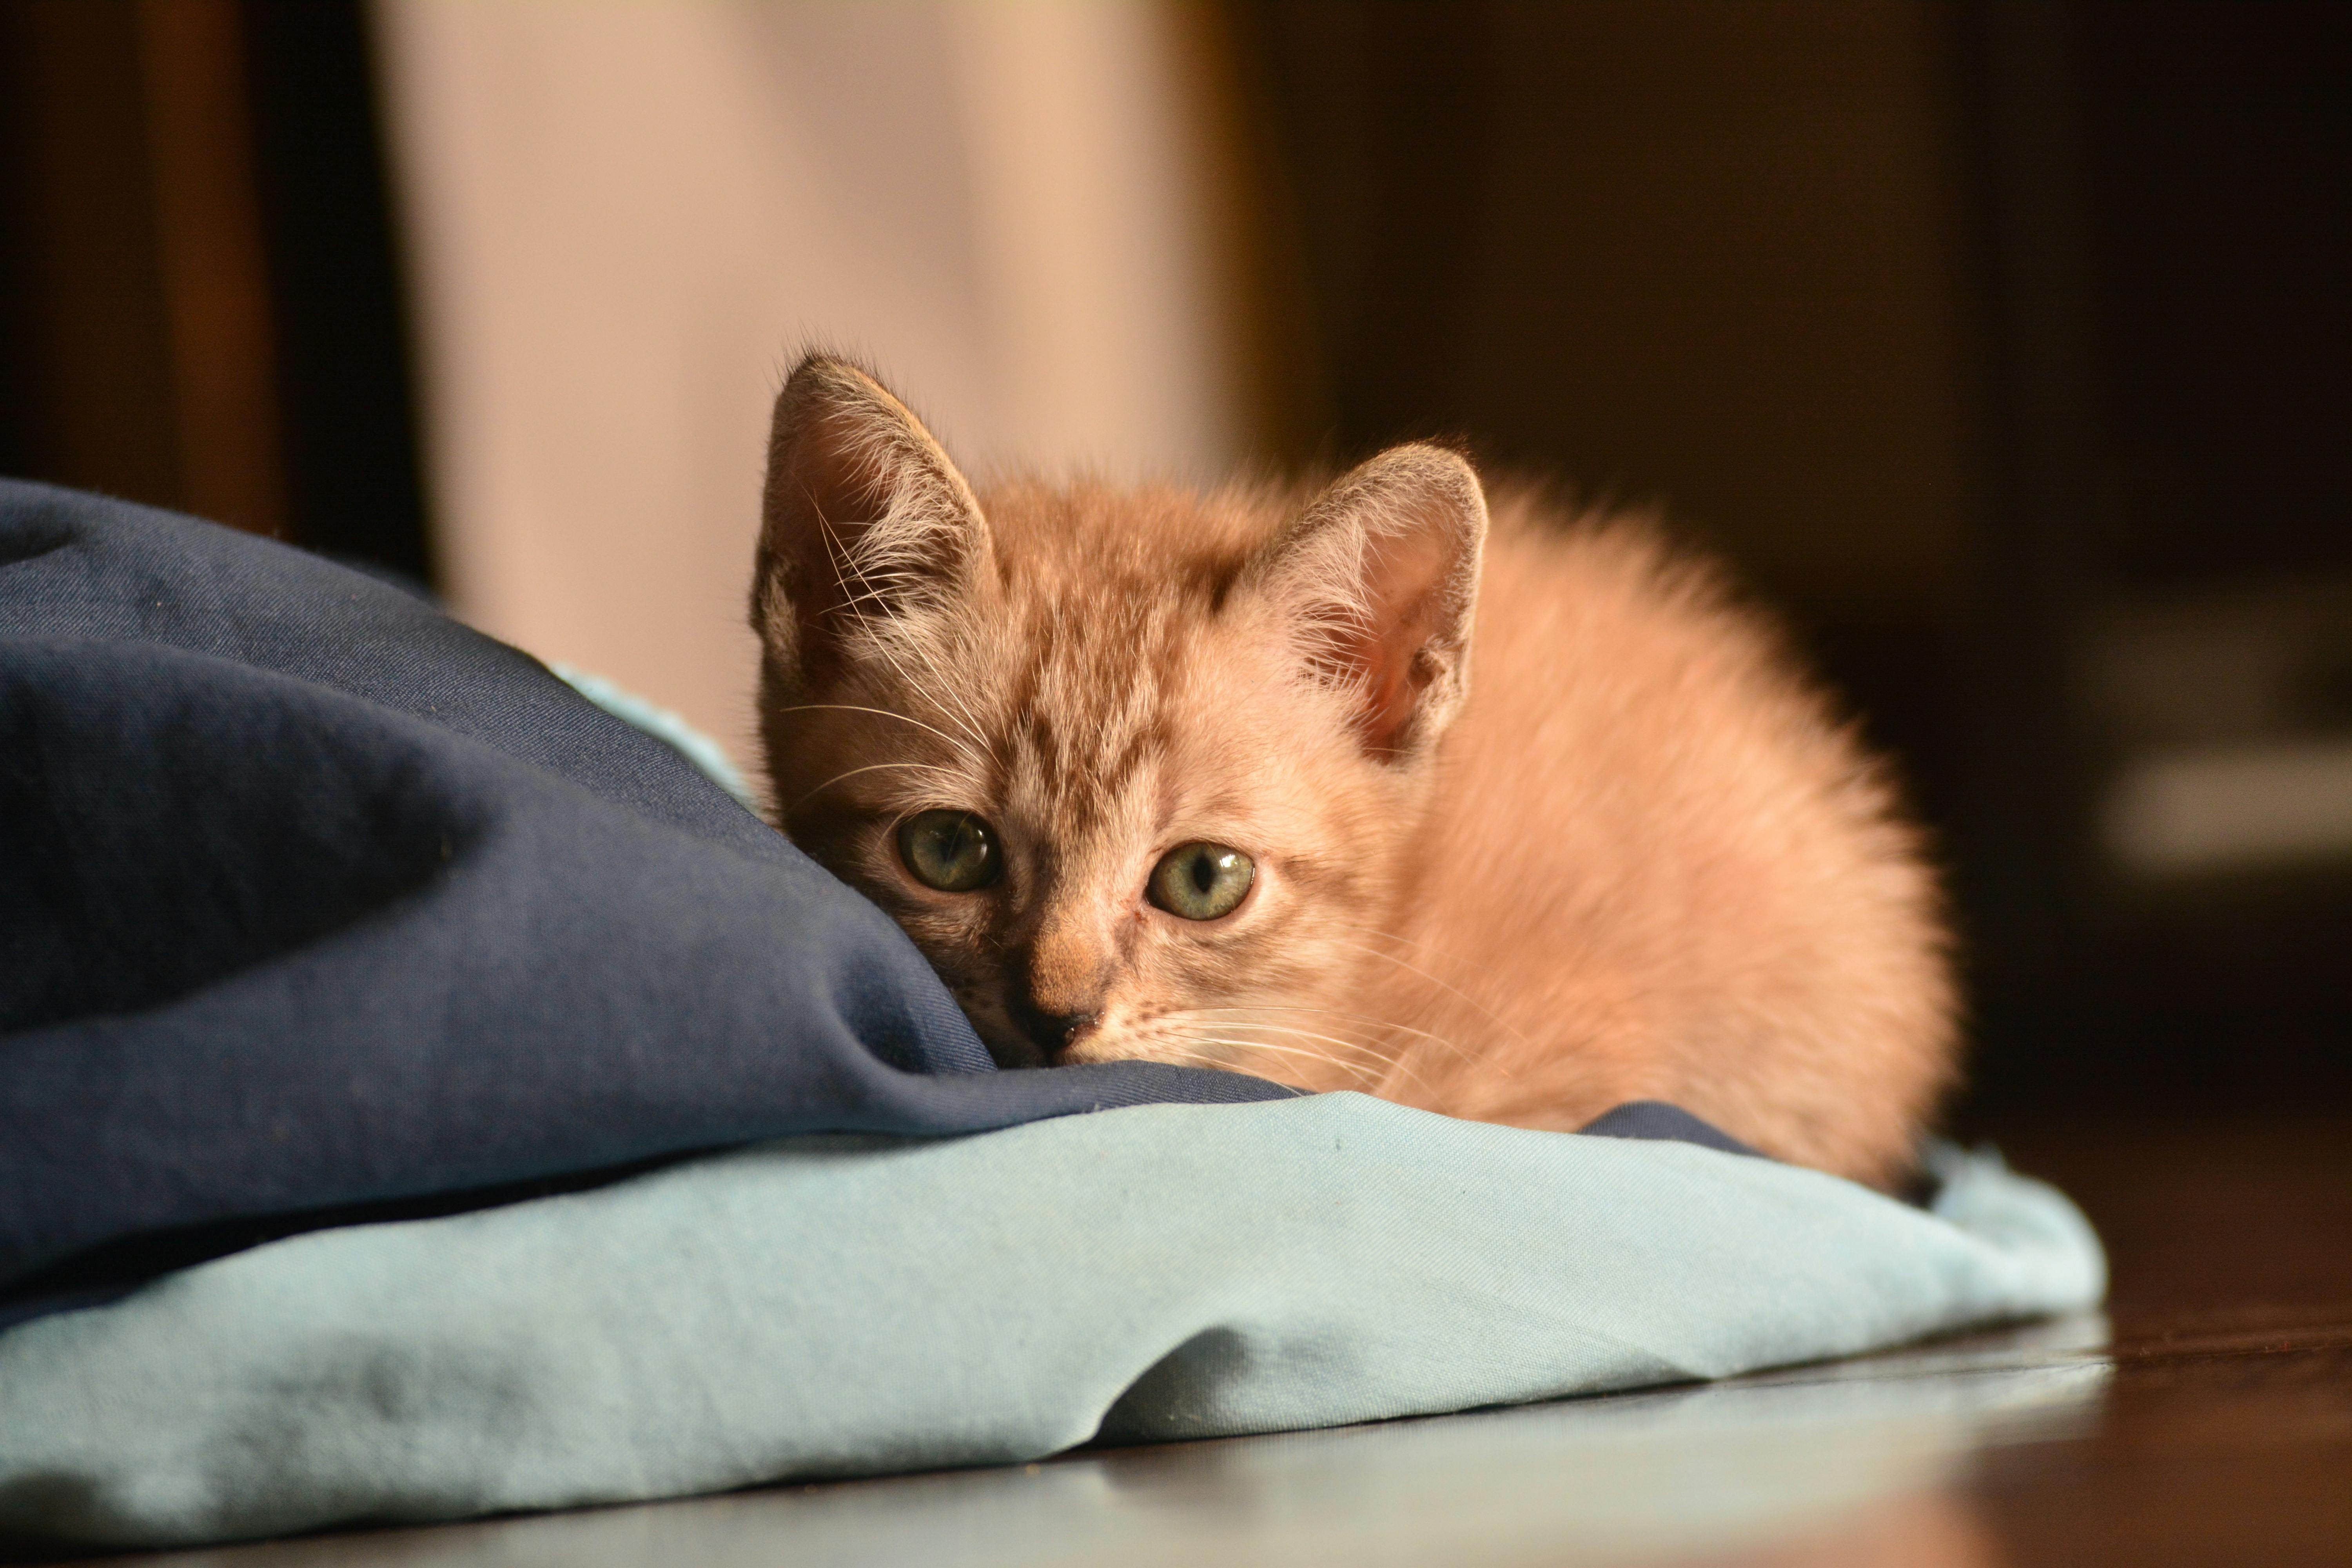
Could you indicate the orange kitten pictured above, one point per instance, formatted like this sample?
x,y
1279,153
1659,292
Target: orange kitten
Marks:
x,y
1231,780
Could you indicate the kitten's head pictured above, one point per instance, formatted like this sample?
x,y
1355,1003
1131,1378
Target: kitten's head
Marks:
x,y
1139,772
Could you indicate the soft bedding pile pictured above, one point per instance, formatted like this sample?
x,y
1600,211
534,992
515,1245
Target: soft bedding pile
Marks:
x,y
321,916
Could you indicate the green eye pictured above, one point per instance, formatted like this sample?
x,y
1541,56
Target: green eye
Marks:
x,y
1202,881
953,851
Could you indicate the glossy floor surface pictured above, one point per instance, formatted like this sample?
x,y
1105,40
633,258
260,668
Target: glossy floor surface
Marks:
x,y
2207,1419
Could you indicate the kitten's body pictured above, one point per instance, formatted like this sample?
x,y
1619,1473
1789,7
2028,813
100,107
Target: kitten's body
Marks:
x,y
1599,843
1706,900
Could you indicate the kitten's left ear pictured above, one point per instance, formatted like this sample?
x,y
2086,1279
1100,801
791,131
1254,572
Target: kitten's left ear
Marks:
x,y
867,527
1378,580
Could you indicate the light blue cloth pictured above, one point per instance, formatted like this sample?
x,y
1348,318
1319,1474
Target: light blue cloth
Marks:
x,y
841,1306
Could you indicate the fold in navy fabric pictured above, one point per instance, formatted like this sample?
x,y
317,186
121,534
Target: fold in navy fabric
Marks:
x,y
316,905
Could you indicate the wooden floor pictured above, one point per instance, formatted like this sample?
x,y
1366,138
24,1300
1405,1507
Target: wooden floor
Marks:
x,y
2207,1419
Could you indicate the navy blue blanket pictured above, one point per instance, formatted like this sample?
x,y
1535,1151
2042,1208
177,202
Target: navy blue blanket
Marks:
x,y
316,905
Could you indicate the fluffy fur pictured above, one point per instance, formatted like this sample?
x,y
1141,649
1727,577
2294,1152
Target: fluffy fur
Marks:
x,y
1542,821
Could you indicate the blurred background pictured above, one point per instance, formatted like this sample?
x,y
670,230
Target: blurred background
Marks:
x,y
2007,347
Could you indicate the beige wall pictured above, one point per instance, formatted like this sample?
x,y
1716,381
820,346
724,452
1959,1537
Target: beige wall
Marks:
x,y
625,219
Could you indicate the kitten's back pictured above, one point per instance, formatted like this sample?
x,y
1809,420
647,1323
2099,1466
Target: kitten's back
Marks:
x,y
1665,870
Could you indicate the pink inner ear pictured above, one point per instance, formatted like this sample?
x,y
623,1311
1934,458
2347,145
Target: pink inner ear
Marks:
x,y
1403,577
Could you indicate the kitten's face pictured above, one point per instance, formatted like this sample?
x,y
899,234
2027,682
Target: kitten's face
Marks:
x,y
1100,801
1138,771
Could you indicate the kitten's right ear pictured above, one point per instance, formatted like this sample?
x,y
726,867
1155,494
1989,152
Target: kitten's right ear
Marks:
x,y
1378,581
866,525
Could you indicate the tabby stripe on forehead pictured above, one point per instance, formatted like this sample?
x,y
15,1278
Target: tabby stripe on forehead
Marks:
x,y
1038,733
1151,740
1086,786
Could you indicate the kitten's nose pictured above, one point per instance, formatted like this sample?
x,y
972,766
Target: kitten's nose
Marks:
x,y
1053,1032
1055,985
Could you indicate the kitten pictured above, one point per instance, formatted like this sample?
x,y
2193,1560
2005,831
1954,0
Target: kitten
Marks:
x,y
1387,788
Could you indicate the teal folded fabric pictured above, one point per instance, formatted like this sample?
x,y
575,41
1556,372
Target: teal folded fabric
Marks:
x,y
837,1306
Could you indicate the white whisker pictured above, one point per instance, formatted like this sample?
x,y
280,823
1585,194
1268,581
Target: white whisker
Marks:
x,y
962,748
843,559
1455,989
1350,1017
1363,1073
1394,1065
872,767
